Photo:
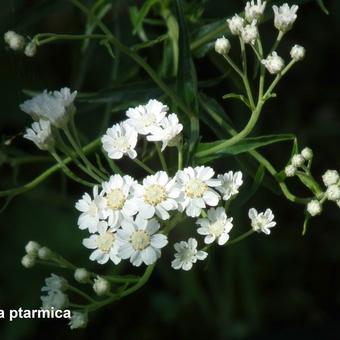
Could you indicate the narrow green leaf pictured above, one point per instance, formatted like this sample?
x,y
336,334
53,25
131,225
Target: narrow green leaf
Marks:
x,y
323,7
309,183
142,13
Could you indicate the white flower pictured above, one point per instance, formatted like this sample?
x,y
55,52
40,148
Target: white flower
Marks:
x,y
235,24
40,134
144,117
120,140
254,10
30,49
230,183
101,286
261,222
54,283
14,40
249,33
285,17
330,177
54,299
187,254
140,243
81,275
273,63
91,210
117,193
333,192
55,107
157,195
28,261
78,320
290,170
104,244
167,132
314,207
298,160
32,248
196,185
307,154
216,227
222,46
297,52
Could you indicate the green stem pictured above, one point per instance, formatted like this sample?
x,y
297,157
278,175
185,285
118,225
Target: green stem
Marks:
x,y
81,293
45,38
180,156
143,165
161,157
240,238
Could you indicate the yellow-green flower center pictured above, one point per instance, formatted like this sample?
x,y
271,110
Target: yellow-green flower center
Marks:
x,y
195,188
154,194
140,240
115,199
104,241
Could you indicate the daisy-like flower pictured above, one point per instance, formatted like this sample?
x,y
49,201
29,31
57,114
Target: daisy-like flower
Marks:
x,y
167,132
105,244
249,33
254,10
139,241
78,320
120,140
196,184
230,184
55,107
187,254
40,134
54,299
284,17
157,195
91,210
117,192
144,117
235,24
54,283
273,63
216,227
261,222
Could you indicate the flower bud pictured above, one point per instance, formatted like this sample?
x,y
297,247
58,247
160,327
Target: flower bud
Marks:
x,y
290,170
333,192
249,33
235,24
307,154
314,208
32,248
101,286
78,320
28,261
297,52
44,253
284,17
330,177
273,63
222,46
81,275
14,40
298,160
30,49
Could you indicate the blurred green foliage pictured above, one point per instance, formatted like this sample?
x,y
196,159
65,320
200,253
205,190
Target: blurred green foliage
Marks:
x,y
272,287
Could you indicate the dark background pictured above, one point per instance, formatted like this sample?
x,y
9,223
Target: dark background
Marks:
x,y
272,287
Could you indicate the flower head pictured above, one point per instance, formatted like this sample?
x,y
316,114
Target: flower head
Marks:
x,y
55,107
284,17
54,283
120,140
307,153
187,254
216,227
55,299
196,185
40,134
101,286
104,244
81,275
118,193
30,49
273,63
91,210
314,207
249,33
261,222
235,24
298,160
28,261
330,177
14,40
333,192
222,46
158,195
254,10
297,52
140,242
167,132
230,184
145,117
290,170
78,320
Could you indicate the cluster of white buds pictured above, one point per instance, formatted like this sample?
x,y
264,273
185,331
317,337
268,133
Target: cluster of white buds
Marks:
x,y
297,161
32,248
55,287
17,42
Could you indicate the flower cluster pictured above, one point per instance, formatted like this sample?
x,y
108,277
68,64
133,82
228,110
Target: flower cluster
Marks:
x,y
55,287
298,161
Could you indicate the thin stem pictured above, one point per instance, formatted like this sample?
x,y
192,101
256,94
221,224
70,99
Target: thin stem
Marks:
x,y
233,65
241,237
180,156
143,165
45,38
277,41
161,157
81,293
